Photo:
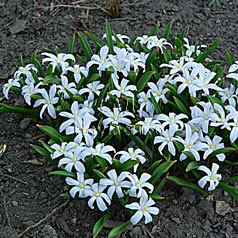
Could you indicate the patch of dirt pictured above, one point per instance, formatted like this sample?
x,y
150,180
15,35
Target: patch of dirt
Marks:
x,y
29,197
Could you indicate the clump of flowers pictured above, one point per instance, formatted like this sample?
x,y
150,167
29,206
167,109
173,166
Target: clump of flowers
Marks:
x,y
161,95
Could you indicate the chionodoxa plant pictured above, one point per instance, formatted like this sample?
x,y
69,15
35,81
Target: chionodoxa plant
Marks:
x,y
120,118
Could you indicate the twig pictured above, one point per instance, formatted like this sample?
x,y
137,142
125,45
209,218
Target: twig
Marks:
x,y
5,208
123,19
147,230
45,8
81,1
104,10
14,178
44,219
35,137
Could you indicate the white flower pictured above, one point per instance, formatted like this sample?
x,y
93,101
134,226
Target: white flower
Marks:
x,y
175,65
172,119
214,144
211,177
149,124
158,91
48,101
191,144
30,89
87,107
61,149
97,195
102,151
71,87
229,94
132,154
139,184
102,61
135,61
78,71
167,138
232,69
93,87
25,70
191,48
82,130
204,77
115,117
187,80
234,131
123,89
144,208
11,83
143,39
202,118
120,36
120,62
59,60
158,43
145,102
80,185
116,183
223,120
72,159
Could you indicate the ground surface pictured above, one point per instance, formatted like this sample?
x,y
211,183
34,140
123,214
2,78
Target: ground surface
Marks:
x,y
27,193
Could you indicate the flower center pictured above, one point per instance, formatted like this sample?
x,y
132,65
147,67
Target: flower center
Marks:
x,y
93,88
76,69
229,94
138,182
172,119
23,68
190,145
116,183
85,106
132,154
96,193
189,80
118,66
121,89
75,116
222,118
8,84
47,100
83,129
144,208
101,59
213,146
204,83
179,65
146,98
30,90
73,158
167,138
61,150
115,117
159,92
97,151
147,123
80,185
213,177
195,128
58,58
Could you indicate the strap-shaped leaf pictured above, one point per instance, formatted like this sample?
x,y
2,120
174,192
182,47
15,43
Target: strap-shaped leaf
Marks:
x,y
144,80
229,59
10,108
181,106
183,183
41,151
101,96
192,165
51,79
229,189
155,29
151,58
167,56
41,72
102,162
51,150
154,165
21,60
167,30
99,174
71,45
183,33
33,57
85,46
119,229
161,184
50,131
156,196
109,37
94,39
100,224
63,173
156,105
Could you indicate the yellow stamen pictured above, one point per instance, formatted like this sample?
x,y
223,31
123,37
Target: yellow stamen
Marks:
x,y
93,88
61,149
144,208
213,177
57,57
205,115
121,89
213,146
85,106
30,90
147,123
101,59
189,81
81,185
73,158
115,116
172,119
116,183
96,151
229,94
167,138
47,100
118,66
83,129
195,128
23,68
132,154
96,193
75,116
146,98
204,83
159,92
190,145
222,118
138,182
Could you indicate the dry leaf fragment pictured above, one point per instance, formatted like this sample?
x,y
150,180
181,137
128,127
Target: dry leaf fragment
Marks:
x,y
36,161
223,208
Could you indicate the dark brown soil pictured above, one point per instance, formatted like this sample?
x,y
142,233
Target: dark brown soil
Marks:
x,y
29,196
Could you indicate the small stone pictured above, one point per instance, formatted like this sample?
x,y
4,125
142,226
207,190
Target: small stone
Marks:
x,y
175,9
25,123
188,195
223,208
19,26
15,203
74,221
63,33
210,198
218,21
207,226
49,232
136,232
197,21
176,220
85,224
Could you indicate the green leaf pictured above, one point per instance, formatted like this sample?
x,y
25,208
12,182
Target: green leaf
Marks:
x,y
183,183
156,105
99,174
232,179
71,45
214,100
93,78
229,59
94,39
51,150
10,108
109,37
229,189
157,77
82,59
102,162
163,168
100,224
203,55
132,40
154,165
85,46
154,31
167,30
167,56
177,42
181,106
63,173
79,98
183,33
101,96
218,74
192,165
41,72
41,151
144,80
50,131
64,195
128,165
49,70
151,58
161,184
119,229
156,196
33,57
119,43
222,151
51,79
